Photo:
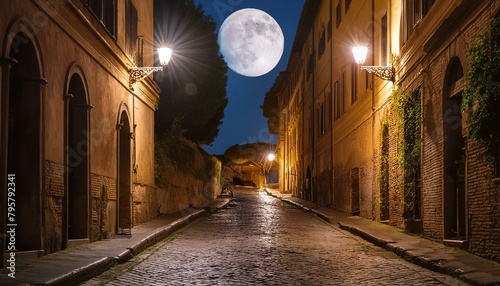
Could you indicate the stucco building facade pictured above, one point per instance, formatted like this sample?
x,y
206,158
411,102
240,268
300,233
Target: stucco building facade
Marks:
x,y
75,135
394,150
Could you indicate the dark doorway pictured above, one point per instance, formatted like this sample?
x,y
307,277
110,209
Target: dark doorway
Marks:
x,y
124,176
454,170
454,197
24,141
77,152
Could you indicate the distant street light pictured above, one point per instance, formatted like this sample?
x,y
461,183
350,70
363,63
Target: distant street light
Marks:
x,y
271,157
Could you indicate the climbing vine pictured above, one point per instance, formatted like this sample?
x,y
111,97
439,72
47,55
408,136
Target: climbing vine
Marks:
x,y
384,169
407,117
481,96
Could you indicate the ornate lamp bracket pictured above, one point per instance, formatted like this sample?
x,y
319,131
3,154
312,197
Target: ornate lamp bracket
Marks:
x,y
383,72
140,73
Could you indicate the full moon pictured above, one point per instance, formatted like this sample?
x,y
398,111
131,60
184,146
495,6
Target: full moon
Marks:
x,y
251,42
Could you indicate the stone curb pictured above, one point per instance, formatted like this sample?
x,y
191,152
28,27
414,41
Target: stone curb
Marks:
x,y
431,264
82,274
435,265
163,233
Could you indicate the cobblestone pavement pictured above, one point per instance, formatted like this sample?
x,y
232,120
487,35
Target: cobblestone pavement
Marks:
x,y
259,240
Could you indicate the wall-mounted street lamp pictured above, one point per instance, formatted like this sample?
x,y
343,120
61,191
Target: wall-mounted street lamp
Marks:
x,y
271,157
140,73
383,72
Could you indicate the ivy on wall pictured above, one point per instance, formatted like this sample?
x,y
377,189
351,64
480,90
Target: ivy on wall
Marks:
x,y
407,118
481,96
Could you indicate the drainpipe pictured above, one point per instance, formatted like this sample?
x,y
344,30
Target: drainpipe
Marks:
x,y
302,101
331,109
372,83
313,197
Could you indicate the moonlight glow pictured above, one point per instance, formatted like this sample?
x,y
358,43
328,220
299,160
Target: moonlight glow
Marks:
x,y
251,42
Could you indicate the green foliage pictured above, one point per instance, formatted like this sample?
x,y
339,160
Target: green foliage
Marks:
x,y
481,96
408,120
170,147
384,169
173,150
193,87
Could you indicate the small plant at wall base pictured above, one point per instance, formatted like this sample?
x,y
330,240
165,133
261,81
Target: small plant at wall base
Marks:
x,y
481,96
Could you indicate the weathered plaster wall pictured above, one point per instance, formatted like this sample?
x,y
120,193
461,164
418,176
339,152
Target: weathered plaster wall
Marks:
x,y
183,188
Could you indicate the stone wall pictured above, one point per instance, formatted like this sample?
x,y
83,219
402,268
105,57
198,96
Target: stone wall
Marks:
x,y
182,189
483,197
53,207
103,206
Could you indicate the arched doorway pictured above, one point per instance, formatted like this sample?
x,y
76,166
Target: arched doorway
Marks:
x,y
124,176
23,133
454,197
77,159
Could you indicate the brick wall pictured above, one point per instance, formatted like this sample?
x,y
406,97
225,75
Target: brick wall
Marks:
x,y
483,198
103,202
53,206
482,195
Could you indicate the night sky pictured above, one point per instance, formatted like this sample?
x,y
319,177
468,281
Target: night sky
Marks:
x,y
243,120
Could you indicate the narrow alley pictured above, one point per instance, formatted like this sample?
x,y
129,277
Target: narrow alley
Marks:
x,y
260,240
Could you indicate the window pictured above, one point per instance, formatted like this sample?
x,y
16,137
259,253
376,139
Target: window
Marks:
x,y
330,29
347,4
339,14
336,94
322,121
383,40
420,9
354,83
339,94
342,93
105,11
330,108
322,44
413,12
310,66
131,30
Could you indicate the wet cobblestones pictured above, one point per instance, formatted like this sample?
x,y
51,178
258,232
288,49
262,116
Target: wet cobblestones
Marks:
x,y
259,240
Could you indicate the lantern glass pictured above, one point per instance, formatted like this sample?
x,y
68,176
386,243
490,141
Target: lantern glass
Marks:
x,y
360,53
164,54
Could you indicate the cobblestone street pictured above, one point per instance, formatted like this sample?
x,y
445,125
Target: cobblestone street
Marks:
x,y
260,240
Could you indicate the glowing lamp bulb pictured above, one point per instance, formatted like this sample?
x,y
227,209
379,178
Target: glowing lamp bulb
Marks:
x,y
164,55
360,54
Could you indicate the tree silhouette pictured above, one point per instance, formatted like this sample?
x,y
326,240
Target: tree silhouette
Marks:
x,y
270,107
193,88
255,153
